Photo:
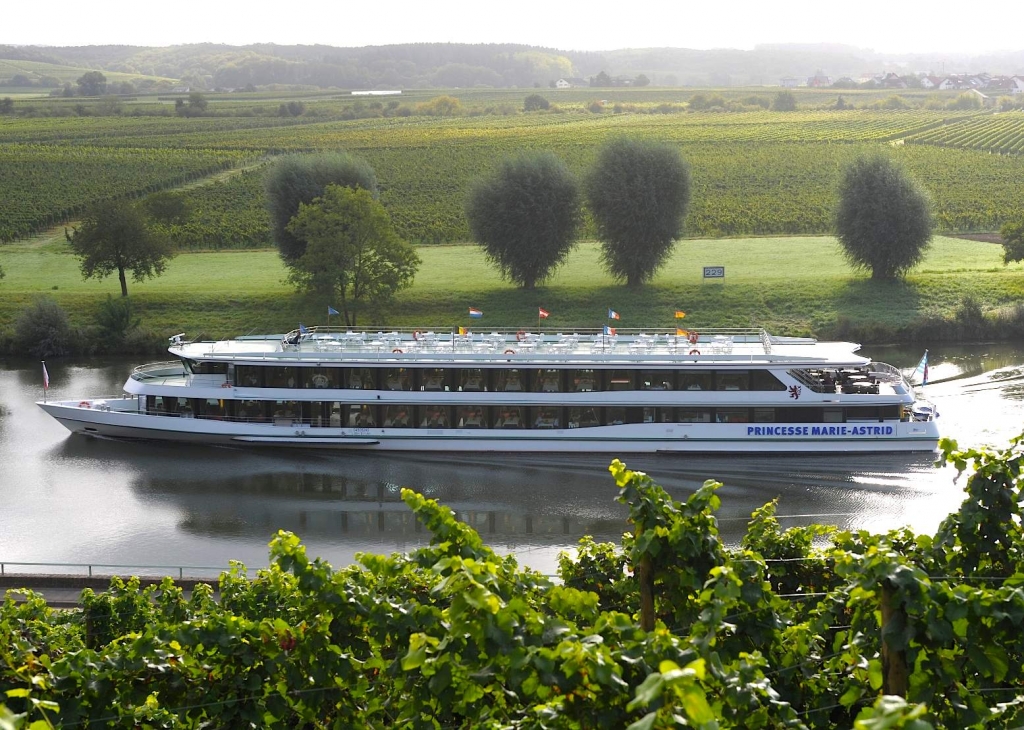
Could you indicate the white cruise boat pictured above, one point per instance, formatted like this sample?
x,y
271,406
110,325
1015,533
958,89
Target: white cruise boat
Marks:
x,y
725,390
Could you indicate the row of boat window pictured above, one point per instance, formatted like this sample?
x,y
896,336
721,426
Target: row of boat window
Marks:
x,y
501,380
334,414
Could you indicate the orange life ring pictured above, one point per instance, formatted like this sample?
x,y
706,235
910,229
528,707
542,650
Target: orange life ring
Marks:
x,y
416,335
693,338
520,336
694,352
510,352
398,350
85,404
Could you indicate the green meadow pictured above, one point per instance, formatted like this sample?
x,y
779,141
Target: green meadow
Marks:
x,y
792,285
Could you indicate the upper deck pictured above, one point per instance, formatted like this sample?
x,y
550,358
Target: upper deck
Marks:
x,y
716,347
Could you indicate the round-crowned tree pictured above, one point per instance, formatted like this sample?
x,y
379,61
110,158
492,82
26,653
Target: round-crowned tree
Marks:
x,y
525,216
883,218
299,179
638,194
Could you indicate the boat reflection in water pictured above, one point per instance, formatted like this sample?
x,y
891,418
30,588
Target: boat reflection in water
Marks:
x,y
340,505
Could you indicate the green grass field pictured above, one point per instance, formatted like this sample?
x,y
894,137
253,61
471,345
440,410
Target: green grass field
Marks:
x,y
789,285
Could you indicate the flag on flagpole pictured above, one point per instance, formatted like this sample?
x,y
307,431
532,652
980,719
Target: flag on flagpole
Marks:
x,y
921,371
302,329
331,310
680,314
46,377
475,313
463,330
543,313
609,330
681,332
612,314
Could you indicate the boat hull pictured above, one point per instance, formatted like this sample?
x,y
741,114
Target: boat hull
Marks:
x,y
116,421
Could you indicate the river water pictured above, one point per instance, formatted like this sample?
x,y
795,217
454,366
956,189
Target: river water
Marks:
x,y
73,499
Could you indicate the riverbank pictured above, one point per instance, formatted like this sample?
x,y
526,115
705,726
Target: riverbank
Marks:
x,y
791,285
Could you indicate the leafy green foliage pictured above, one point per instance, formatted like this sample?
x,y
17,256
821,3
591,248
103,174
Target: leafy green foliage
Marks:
x,y
638,194
454,635
297,179
535,102
526,216
1013,241
352,250
883,219
113,237
43,330
116,319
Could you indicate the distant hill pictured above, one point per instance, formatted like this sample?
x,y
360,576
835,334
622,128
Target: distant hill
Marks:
x,y
448,65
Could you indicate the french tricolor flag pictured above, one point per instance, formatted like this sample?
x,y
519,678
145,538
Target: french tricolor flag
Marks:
x,y
609,330
475,313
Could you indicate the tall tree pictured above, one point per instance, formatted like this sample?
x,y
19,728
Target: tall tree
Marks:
x,y
526,216
92,83
784,101
883,217
298,179
114,237
638,193
1013,241
352,254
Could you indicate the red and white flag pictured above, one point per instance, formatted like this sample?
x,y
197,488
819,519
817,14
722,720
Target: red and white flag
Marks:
x,y
46,378
543,313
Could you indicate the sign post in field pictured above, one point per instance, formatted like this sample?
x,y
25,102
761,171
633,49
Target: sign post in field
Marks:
x,y
714,272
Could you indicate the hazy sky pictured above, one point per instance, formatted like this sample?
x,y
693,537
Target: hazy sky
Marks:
x,y
932,26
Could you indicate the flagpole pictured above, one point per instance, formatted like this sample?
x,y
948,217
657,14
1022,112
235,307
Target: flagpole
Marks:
x,y
46,384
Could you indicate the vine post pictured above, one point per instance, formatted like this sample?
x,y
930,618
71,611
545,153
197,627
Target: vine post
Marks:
x,y
895,676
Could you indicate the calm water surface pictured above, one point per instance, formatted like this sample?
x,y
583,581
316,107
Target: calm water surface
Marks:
x,y
72,499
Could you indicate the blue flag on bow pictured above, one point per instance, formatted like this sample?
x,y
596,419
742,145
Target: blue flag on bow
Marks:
x,y
331,310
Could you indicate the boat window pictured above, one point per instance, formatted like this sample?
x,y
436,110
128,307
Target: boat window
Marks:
x,y
583,417
211,408
321,378
361,416
285,410
433,416
278,377
693,415
547,381
250,410
695,380
764,415
206,367
471,417
732,380
798,415
584,381
473,380
512,380
546,417
832,415
888,413
159,405
397,416
619,379
397,379
334,414
434,380
615,415
508,417
765,380
659,415
656,379
249,376
361,379
732,415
